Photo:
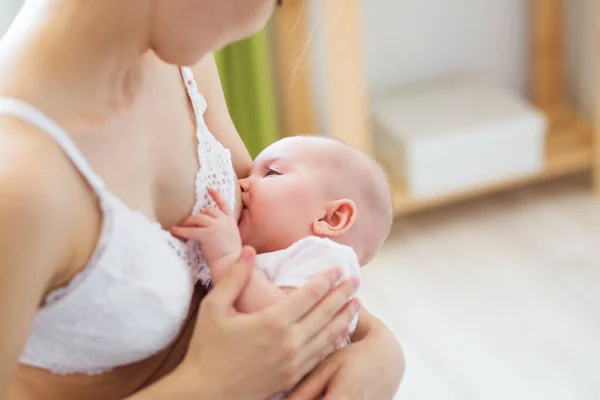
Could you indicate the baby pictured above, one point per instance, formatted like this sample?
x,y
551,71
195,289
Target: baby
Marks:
x,y
310,203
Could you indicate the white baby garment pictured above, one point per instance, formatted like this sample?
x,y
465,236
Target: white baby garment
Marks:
x,y
305,259
296,265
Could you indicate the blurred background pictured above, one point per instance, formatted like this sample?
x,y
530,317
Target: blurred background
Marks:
x,y
484,113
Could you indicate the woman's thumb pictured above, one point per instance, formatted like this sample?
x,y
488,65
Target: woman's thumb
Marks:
x,y
234,281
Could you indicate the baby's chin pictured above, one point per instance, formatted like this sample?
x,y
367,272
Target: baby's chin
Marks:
x,y
250,238
244,228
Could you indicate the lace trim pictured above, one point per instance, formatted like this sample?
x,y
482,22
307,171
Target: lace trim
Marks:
x,y
107,225
212,157
108,205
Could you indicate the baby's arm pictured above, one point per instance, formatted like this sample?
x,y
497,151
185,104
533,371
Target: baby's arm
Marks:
x,y
217,232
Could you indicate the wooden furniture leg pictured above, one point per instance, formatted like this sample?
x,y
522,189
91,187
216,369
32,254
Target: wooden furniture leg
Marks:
x,y
294,65
546,64
596,127
347,113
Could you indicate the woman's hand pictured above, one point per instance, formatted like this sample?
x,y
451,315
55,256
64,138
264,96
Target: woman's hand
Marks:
x,y
370,368
252,356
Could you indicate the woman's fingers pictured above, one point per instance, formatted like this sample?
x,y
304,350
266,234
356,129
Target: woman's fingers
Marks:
x,y
331,338
315,383
224,295
296,305
219,200
315,322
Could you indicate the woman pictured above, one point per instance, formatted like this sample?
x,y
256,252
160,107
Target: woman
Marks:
x,y
96,297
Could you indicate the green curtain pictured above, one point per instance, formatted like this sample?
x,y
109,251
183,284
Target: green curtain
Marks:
x,y
247,77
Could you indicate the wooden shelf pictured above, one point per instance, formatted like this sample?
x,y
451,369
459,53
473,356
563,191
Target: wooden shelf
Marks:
x,y
570,141
569,149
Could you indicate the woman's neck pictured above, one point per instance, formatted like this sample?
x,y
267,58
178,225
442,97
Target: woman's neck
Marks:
x,y
60,52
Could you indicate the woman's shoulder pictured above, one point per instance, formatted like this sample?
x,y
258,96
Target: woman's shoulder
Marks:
x,y
32,166
42,193
48,217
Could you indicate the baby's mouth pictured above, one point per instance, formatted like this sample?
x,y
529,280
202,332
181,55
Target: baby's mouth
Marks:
x,y
244,200
244,208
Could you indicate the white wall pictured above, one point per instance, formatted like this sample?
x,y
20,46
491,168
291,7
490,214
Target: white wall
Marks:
x,y
407,40
8,9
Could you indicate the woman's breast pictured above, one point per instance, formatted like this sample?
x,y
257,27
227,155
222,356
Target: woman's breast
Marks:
x,y
38,384
128,304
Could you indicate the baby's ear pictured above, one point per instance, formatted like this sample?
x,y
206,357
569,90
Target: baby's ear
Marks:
x,y
339,216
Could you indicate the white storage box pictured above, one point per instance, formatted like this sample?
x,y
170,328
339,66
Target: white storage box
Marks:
x,y
457,133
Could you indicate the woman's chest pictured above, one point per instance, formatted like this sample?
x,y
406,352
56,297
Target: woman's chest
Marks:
x,y
153,149
37,384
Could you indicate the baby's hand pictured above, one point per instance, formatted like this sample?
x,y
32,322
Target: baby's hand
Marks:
x,y
215,229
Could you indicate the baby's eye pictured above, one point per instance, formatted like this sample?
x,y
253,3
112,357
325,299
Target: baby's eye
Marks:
x,y
270,171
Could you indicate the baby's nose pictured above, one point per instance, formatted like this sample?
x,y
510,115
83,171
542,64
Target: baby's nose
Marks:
x,y
245,184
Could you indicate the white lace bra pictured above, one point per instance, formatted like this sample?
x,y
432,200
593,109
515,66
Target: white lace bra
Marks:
x,y
133,296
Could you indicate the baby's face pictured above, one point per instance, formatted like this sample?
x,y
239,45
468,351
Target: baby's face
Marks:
x,y
282,196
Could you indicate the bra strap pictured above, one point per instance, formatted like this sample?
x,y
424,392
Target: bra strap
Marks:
x,y
199,106
24,111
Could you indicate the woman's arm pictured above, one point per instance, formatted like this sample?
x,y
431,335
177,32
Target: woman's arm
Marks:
x,y
371,367
374,341
252,356
34,238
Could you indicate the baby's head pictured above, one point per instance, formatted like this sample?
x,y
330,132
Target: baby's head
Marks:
x,y
315,186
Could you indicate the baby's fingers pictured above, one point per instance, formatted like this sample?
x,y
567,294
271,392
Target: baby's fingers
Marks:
x,y
211,212
219,200
196,234
199,220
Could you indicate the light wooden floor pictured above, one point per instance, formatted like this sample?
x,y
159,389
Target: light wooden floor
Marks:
x,y
497,298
